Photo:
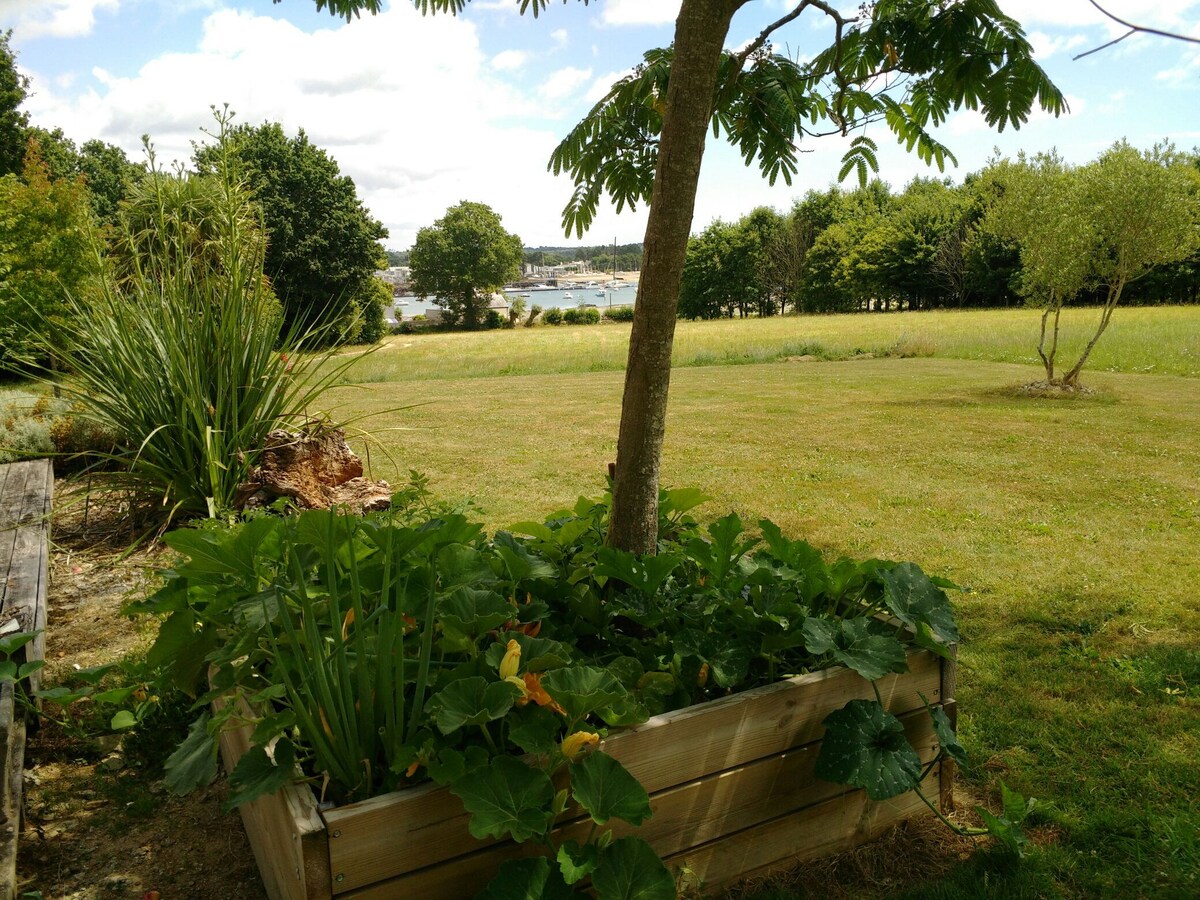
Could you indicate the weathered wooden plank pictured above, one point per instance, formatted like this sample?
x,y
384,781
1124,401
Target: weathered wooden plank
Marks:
x,y
12,746
39,486
824,827
684,817
950,706
23,592
747,726
285,832
13,496
401,832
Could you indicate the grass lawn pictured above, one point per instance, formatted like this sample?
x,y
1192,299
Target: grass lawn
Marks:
x,y
1162,340
1073,525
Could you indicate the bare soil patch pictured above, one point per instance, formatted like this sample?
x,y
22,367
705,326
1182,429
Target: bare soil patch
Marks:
x,y
99,823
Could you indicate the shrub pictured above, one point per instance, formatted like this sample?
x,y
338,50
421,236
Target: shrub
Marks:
x,y
369,303
25,423
180,357
553,316
515,311
79,440
619,314
493,319
582,315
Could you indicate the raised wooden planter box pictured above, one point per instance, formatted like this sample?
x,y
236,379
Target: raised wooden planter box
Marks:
x,y
731,784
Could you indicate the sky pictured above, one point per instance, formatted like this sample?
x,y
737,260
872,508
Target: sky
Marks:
x,y
425,112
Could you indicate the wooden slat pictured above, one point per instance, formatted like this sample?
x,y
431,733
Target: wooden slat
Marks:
x,y
737,729
24,519
950,705
401,832
683,817
13,496
12,746
828,827
285,831
832,823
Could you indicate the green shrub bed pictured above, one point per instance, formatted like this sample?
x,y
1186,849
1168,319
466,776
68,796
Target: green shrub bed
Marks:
x,y
383,651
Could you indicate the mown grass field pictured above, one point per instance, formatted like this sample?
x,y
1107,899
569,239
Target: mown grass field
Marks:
x,y
1164,340
1073,526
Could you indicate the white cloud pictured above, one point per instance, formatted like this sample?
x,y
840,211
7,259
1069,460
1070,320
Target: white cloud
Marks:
x,y
604,83
971,122
509,60
52,18
1045,45
1186,72
639,12
1163,14
563,83
560,37
410,107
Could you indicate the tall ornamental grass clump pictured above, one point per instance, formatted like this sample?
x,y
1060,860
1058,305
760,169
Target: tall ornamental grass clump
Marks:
x,y
180,356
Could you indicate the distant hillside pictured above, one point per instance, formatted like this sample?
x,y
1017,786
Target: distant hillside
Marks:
x,y
629,256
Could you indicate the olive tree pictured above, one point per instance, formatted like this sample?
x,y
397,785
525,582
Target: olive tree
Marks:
x,y
1145,209
1039,206
1095,227
902,63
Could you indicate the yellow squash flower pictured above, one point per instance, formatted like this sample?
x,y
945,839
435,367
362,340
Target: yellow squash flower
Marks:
x,y
511,662
576,744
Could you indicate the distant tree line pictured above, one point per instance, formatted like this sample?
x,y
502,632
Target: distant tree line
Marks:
x,y
628,256
932,245
63,206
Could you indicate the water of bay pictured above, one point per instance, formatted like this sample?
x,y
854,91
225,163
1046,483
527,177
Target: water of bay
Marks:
x,y
407,307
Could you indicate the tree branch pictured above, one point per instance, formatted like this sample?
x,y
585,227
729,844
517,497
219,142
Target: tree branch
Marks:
x,y
1133,29
760,41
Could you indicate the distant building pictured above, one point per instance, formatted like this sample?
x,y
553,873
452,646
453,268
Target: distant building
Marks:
x,y
396,276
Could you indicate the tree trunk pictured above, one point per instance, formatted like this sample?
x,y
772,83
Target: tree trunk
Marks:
x,y
700,34
1110,303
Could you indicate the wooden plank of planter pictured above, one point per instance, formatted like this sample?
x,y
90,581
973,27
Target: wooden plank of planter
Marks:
x,y
820,827
825,828
285,831
404,831
684,816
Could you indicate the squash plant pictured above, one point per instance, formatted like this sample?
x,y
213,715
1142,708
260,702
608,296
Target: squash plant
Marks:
x,y
373,653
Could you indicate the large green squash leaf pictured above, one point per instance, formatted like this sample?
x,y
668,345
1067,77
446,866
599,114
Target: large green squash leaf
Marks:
x,y
582,689
604,788
257,774
471,701
509,797
646,573
865,746
472,611
630,870
916,601
527,879
194,762
851,643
